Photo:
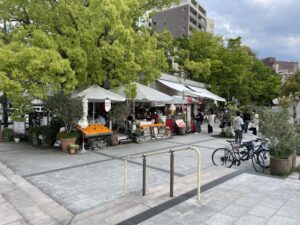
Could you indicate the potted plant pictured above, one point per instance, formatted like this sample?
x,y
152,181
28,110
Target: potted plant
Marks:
x,y
69,110
73,148
33,134
17,137
7,135
47,135
117,116
281,134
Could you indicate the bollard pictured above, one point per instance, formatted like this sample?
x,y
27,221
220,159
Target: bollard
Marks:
x,y
144,175
171,173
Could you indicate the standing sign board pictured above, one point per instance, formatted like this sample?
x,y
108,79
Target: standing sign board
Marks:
x,y
107,105
19,127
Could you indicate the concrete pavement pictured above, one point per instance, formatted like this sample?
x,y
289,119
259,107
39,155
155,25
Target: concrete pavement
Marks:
x,y
50,187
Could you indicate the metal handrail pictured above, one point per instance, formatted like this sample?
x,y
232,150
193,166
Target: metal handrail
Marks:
x,y
154,153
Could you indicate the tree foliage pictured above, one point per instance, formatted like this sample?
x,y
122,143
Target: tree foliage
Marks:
x,y
56,44
292,85
230,68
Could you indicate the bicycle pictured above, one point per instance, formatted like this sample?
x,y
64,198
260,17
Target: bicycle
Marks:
x,y
249,148
229,157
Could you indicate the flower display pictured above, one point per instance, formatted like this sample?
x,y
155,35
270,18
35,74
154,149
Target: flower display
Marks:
x,y
93,129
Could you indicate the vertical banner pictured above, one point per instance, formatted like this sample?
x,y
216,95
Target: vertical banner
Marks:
x,y
107,105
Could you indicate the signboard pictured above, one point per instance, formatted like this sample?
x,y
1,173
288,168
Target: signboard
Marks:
x,y
19,127
107,105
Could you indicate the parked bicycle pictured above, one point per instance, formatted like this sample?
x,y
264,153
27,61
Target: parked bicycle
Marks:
x,y
249,147
231,156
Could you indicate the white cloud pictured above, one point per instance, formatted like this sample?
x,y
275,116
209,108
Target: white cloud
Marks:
x,y
269,27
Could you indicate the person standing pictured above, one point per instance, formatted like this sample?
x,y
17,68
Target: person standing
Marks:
x,y
199,120
211,121
226,119
238,128
247,119
255,123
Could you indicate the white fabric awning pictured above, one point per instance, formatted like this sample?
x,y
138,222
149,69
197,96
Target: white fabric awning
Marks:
x,y
178,87
192,90
206,94
96,93
145,94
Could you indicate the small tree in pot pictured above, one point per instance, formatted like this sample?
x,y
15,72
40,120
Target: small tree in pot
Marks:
x,y
69,110
118,116
278,129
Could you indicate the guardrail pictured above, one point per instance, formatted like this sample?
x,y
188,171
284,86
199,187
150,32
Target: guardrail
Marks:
x,y
155,153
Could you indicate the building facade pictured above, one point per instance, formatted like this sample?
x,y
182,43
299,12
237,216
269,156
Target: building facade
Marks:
x,y
283,68
181,19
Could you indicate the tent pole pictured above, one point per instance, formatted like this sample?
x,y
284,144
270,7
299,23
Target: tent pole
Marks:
x,y
93,112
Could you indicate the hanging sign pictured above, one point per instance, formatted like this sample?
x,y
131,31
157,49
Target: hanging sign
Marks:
x,y
19,127
107,105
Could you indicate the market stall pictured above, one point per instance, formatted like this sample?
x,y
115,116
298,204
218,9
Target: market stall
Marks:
x,y
92,132
148,112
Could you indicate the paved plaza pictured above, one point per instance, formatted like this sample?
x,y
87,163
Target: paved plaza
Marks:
x,y
47,186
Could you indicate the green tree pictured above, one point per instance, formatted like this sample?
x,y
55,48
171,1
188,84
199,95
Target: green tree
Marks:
x,y
47,44
292,85
230,68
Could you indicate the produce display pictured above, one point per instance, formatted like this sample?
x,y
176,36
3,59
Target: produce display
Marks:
x,y
152,125
94,129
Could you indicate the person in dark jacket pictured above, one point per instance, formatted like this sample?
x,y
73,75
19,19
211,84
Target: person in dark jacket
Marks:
x,y
247,119
199,120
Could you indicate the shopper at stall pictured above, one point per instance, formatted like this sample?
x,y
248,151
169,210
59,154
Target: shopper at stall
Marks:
x,y
211,121
238,128
199,120
100,119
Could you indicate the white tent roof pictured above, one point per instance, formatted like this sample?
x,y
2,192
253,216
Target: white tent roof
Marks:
x,y
177,87
95,93
207,94
146,94
192,90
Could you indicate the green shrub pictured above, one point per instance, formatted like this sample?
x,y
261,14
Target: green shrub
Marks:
x,y
279,131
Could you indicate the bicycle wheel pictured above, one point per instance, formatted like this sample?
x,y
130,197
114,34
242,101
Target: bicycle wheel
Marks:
x,y
265,153
223,157
258,162
244,154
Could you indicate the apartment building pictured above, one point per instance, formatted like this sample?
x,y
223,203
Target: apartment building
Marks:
x,y
181,19
283,68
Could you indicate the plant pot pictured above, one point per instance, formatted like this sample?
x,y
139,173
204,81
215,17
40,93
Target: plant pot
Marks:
x,y
114,140
17,140
280,166
72,151
35,141
181,130
64,143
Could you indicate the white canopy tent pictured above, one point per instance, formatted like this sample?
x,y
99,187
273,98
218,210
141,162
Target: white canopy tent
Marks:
x,y
191,90
145,94
96,93
207,94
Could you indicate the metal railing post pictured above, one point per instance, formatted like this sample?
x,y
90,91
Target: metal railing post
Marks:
x,y
144,175
126,176
198,170
171,173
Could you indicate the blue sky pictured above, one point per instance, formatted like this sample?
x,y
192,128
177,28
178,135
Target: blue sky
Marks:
x,y
269,27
